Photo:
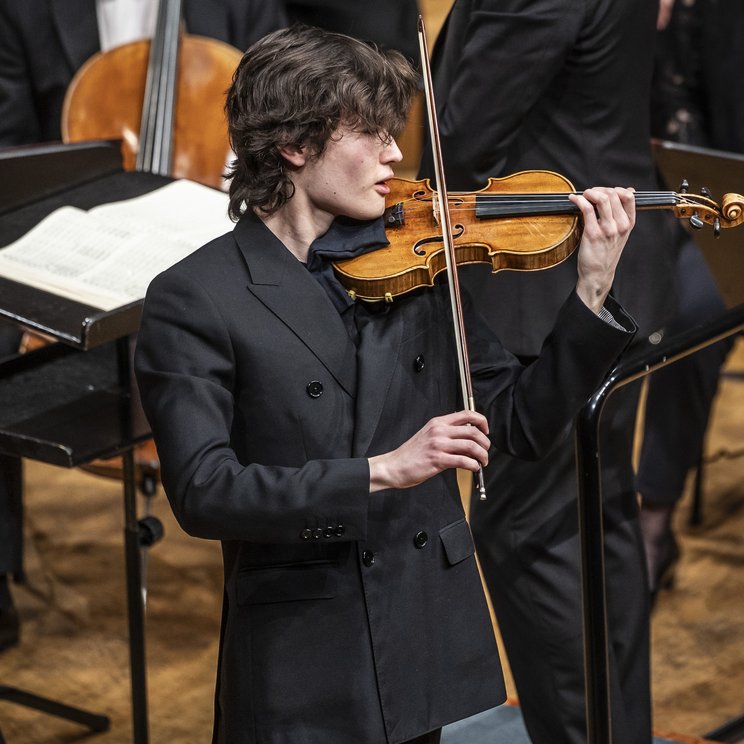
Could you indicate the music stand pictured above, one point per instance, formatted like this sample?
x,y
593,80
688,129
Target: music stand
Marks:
x,y
720,172
701,167
70,403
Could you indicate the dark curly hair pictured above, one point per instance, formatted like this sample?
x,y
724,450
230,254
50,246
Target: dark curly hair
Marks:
x,y
294,87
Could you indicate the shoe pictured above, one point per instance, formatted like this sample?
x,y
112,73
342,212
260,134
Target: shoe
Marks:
x,y
663,575
10,628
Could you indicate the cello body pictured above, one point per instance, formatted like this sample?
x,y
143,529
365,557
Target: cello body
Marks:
x,y
105,101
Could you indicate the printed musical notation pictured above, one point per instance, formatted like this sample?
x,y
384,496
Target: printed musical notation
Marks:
x,y
107,256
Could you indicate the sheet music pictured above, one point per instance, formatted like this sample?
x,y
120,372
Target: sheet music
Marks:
x,y
107,256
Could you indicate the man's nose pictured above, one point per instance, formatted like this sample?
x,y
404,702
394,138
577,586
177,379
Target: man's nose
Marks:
x,y
392,153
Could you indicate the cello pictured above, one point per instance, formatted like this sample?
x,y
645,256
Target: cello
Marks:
x,y
163,98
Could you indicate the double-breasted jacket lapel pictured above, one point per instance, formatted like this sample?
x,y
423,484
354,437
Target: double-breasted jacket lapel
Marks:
x,y
284,286
77,26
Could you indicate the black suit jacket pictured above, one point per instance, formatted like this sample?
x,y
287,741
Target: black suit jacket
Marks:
x,y
348,617
390,23
542,84
44,42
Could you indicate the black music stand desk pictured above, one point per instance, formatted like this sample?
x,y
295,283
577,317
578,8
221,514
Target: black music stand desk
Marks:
x,y
71,402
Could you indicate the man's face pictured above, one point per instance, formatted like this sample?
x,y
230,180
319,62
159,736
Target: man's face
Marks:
x,y
349,178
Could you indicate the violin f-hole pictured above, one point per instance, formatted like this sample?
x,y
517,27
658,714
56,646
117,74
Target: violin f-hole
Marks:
x,y
457,231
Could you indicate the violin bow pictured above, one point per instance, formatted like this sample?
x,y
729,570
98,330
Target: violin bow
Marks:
x,y
441,205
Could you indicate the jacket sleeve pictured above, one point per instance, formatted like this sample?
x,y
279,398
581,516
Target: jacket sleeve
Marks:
x,y
529,408
185,370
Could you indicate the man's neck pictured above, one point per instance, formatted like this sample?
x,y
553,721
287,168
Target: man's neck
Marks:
x,y
297,226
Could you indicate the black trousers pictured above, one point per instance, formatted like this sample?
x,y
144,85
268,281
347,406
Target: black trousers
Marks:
x,y
680,395
527,537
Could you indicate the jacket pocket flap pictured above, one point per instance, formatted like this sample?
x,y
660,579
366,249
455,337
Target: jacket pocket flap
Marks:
x,y
268,585
457,541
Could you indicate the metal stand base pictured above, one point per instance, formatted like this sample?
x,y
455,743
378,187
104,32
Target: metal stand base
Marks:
x,y
93,721
730,732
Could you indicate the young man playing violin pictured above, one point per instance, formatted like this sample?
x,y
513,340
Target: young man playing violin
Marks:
x,y
317,437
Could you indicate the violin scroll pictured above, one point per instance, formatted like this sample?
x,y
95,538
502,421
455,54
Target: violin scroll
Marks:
x,y
733,209
701,209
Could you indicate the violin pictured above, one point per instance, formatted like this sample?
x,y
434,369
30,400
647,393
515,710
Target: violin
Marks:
x,y
522,222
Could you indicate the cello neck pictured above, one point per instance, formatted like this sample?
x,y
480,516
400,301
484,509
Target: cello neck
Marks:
x,y
155,152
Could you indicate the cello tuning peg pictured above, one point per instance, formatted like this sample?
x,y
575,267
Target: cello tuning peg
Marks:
x,y
717,228
705,191
695,221
684,186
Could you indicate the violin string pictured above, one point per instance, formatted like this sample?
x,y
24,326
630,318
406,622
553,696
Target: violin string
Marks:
x,y
549,201
557,195
533,198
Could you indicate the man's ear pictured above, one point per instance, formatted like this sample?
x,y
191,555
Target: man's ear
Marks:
x,y
294,155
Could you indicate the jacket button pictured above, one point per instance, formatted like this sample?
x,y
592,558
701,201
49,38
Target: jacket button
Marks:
x,y
340,529
368,558
306,534
419,363
329,532
315,389
420,539
318,533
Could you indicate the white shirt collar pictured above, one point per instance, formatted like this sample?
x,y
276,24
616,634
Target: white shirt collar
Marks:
x,y
122,21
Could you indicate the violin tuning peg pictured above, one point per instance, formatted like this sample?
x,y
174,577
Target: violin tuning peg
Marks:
x,y
717,228
705,191
684,186
696,222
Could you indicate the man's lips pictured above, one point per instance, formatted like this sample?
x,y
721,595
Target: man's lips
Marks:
x,y
382,187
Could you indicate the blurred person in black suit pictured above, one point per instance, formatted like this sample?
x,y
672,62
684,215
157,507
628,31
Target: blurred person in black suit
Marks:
x,y
697,99
44,42
532,84
389,23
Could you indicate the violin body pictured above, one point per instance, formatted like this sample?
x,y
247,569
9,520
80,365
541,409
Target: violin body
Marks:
x,y
523,222
105,101
415,255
